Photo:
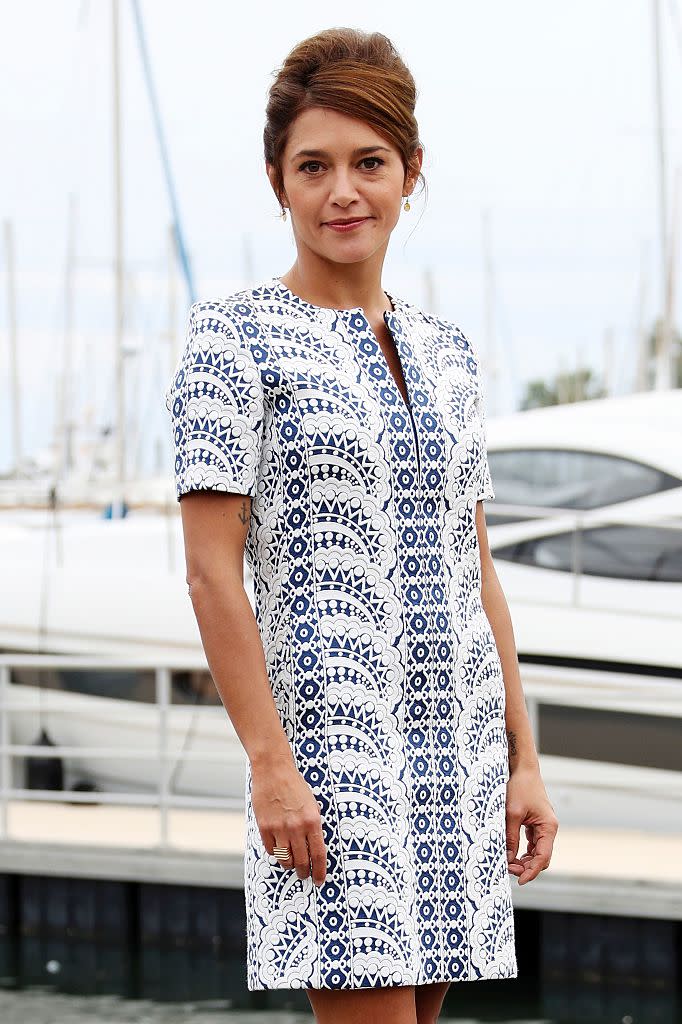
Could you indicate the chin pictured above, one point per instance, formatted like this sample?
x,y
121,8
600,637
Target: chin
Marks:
x,y
349,257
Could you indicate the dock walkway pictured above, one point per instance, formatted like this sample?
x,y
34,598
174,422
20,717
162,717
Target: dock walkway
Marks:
x,y
607,871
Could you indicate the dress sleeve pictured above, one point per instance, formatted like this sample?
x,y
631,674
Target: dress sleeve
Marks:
x,y
215,401
483,481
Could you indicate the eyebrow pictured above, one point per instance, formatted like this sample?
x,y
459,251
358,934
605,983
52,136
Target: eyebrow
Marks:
x,y
322,152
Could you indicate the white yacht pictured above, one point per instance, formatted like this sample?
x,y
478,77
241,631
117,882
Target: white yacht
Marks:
x,y
586,532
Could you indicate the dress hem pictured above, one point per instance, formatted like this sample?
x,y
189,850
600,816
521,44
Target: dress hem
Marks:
x,y
399,984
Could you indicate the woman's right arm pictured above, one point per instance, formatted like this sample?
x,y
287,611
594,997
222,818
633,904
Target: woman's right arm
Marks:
x,y
215,525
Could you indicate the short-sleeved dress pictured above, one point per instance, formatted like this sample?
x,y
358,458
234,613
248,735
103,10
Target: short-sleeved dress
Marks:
x,y
383,665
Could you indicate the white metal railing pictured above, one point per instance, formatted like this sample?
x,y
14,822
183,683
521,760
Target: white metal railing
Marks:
x,y
161,797
542,684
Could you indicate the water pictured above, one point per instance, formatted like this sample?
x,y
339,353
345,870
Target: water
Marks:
x,y
55,980
45,1007
42,1005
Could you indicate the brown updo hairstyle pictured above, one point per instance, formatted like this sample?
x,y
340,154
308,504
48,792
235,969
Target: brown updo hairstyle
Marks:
x,y
356,73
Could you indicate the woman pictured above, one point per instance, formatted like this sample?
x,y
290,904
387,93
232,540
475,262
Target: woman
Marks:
x,y
333,434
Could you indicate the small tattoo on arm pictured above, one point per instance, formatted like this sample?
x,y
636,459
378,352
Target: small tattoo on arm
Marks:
x,y
244,515
511,736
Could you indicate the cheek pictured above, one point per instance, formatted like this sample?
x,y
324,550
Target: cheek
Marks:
x,y
388,194
391,206
306,198
301,208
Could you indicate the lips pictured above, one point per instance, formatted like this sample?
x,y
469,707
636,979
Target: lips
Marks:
x,y
351,220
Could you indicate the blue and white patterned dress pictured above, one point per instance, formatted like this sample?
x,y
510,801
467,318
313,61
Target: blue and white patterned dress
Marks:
x,y
383,666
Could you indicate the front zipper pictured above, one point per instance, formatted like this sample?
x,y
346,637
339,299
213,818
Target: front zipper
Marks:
x,y
407,405
416,446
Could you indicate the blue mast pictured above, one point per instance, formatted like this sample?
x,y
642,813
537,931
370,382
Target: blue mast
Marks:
x,y
177,228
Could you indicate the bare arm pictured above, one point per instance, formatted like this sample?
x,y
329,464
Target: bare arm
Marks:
x,y
215,526
519,733
527,802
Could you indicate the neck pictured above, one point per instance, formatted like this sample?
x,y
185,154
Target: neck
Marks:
x,y
338,286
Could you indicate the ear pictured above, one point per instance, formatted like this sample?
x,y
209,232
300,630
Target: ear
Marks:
x,y
414,167
271,173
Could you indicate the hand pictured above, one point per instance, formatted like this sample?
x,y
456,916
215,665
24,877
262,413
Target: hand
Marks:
x,y
289,815
528,805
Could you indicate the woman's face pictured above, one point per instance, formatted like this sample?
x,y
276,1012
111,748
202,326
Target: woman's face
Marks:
x,y
337,168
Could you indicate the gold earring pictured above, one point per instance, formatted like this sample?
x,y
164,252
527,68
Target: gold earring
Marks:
x,y
406,207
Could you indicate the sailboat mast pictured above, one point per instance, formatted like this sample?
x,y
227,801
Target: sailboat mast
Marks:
x,y
65,396
118,251
663,333
670,296
173,338
15,394
641,337
491,368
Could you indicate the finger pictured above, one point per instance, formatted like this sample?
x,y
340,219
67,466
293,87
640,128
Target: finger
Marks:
x,y
531,870
318,855
513,835
269,841
539,860
301,855
283,842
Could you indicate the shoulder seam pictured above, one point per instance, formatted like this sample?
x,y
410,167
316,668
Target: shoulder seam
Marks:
x,y
223,307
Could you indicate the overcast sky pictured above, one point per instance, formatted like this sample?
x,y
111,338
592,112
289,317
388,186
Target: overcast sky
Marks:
x,y
540,112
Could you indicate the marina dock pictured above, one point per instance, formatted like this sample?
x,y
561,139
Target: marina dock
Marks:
x,y
599,871
142,879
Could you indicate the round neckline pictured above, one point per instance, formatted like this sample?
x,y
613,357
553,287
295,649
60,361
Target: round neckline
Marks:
x,y
331,309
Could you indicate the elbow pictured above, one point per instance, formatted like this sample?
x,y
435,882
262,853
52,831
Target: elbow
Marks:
x,y
209,578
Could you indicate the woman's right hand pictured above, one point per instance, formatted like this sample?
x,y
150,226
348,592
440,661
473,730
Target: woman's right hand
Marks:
x,y
288,815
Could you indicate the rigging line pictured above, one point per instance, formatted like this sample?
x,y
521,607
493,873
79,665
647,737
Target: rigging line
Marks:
x,y
177,228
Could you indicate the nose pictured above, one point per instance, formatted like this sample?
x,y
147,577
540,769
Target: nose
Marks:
x,y
342,191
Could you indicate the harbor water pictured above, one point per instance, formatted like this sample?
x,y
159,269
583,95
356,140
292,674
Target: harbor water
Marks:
x,y
44,982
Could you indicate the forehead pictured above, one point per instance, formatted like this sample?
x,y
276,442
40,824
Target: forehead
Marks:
x,y
336,133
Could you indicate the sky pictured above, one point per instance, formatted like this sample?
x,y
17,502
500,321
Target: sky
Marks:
x,y
537,117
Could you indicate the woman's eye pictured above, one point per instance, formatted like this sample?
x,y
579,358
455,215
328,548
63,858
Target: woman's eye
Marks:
x,y
310,165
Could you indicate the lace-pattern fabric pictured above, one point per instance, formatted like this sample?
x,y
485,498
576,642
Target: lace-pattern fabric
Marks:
x,y
383,666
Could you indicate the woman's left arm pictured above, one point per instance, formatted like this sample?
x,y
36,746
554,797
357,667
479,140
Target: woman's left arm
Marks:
x,y
527,800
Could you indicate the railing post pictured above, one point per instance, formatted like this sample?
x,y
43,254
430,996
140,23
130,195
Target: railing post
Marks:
x,y
163,704
576,552
5,759
170,535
